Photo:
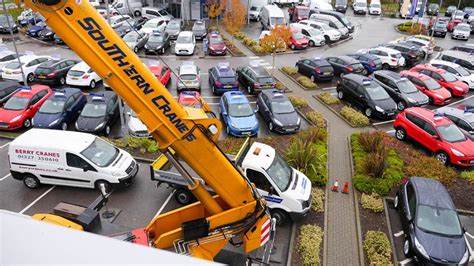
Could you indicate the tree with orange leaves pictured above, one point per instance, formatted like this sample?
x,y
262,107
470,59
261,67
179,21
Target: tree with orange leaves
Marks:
x,y
214,8
276,41
234,17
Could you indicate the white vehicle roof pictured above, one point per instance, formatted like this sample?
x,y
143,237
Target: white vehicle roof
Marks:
x,y
155,20
259,155
4,53
458,54
312,22
186,33
53,139
425,42
188,69
30,57
274,11
386,49
444,63
82,66
463,24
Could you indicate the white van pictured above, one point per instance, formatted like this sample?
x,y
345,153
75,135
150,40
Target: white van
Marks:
x,y
130,7
332,22
272,16
320,5
156,12
67,158
330,34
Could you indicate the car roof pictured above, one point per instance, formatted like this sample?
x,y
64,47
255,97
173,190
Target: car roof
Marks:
x,y
236,97
186,33
431,192
99,97
275,94
6,52
7,84
390,74
225,71
64,93
415,74
52,62
368,56
259,71
319,61
446,63
386,49
29,91
429,67
458,54
346,58
463,111
47,138
358,78
28,57
188,69
429,116
81,66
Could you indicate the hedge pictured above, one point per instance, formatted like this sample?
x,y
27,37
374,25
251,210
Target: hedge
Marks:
x,y
354,117
372,202
378,249
297,101
289,70
317,199
328,99
309,244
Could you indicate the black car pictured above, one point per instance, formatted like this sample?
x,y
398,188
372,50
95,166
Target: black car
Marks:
x,y
7,24
99,114
46,34
433,232
467,48
440,29
350,27
344,64
402,91
255,78
278,112
53,72
135,23
450,10
367,95
411,53
7,89
157,43
199,29
433,9
341,6
316,69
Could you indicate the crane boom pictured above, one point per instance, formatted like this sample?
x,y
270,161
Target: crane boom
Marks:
x,y
193,140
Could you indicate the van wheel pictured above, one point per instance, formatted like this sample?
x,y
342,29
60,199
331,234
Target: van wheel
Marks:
x,y
137,13
184,197
92,85
27,123
100,183
31,181
280,216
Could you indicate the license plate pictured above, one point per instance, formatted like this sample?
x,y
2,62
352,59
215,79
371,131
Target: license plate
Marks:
x,y
42,77
266,86
9,73
188,83
228,86
3,126
246,133
327,73
289,129
73,78
390,114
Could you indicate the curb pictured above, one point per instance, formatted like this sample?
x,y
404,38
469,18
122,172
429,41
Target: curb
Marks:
x,y
338,114
288,90
143,160
356,206
7,137
295,81
395,258
328,187
291,245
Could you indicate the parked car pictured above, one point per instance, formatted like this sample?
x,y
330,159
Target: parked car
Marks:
x,y
453,23
297,40
360,7
135,40
82,75
375,8
457,15
411,53
460,58
461,73
278,112
468,12
216,44
437,134
185,43
367,95
238,115
440,28
58,39
254,13
450,10
344,65
188,77
402,91
157,43
315,37
444,78
161,72
316,69
199,29
28,64
7,24
123,29
222,78
118,20
7,90
298,13
333,22
154,25
34,30
433,230
156,12
46,34
467,48
426,43
135,126
391,59
437,94
462,32
350,27
174,28
7,56
18,111
54,71
341,6
28,16
330,34
99,114
433,9
370,62
60,109
190,99
461,115
255,78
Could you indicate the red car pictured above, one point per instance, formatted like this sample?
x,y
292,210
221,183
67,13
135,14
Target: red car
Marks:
x,y
452,24
436,133
216,44
444,78
190,99
297,40
436,93
298,13
22,106
161,72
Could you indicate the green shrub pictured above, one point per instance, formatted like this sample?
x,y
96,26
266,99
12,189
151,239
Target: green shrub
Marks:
x,y
289,70
309,244
354,117
142,144
306,82
378,249
317,199
375,163
258,49
249,41
239,35
328,99
297,101
280,86
468,175
372,202
430,167
371,142
316,118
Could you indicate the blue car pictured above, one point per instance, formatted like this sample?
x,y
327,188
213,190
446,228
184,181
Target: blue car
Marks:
x,y
370,62
34,30
238,116
60,109
222,78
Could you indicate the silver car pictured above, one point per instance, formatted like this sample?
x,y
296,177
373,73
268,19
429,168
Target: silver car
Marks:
x,y
188,78
174,27
135,40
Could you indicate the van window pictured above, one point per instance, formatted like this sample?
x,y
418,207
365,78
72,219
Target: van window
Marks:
x,y
76,161
100,153
259,179
151,12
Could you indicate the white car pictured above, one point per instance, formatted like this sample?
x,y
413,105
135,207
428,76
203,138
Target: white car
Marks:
x,y
29,63
7,56
136,128
462,32
375,8
315,37
360,7
82,75
153,25
185,43
321,5
460,72
425,45
329,33
188,77
391,58
458,14
94,3
118,20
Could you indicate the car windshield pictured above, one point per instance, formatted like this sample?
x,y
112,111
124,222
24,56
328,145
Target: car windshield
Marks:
x,y
188,77
265,80
280,173
240,110
282,107
277,21
375,5
406,86
100,153
173,26
396,55
459,13
4,18
339,25
41,70
297,35
130,38
183,39
462,71
432,84
303,12
199,26
52,106
463,27
75,73
156,38
449,77
324,26
16,103
314,32
451,133
377,93
361,4
216,40
94,110
438,220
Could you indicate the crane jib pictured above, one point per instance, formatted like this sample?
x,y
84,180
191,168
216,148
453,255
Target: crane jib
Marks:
x,y
120,57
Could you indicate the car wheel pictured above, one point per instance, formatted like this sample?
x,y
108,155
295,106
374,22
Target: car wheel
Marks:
x,y
183,196
340,95
92,84
280,217
162,50
327,38
401,106
365,72
258,19
64,126
270,126
30,78
395,202
27,123
442,157
107,130
407,248
341,74
135,49
385,66
297,68
430,100
137,13
257,108
249,90
62,81
292,47
102,183
31,181
313,78
400,133
311,43
368,112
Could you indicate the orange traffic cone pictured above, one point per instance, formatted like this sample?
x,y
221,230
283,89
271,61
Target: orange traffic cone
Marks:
x,y
346,188
335,188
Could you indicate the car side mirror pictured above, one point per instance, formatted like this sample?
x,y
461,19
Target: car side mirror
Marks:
x,y
224,113
362,96
129,114
271,190
255,111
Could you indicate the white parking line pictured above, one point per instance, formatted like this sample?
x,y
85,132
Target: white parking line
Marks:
x,y
390,131
458,101
383,122
469,235
405,261
398,234
164,204
4,145
5,177
329,88
254,57
219,103
470,249
36,200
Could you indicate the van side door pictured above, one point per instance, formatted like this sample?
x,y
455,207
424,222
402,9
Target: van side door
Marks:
x,y
78,172
264,187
